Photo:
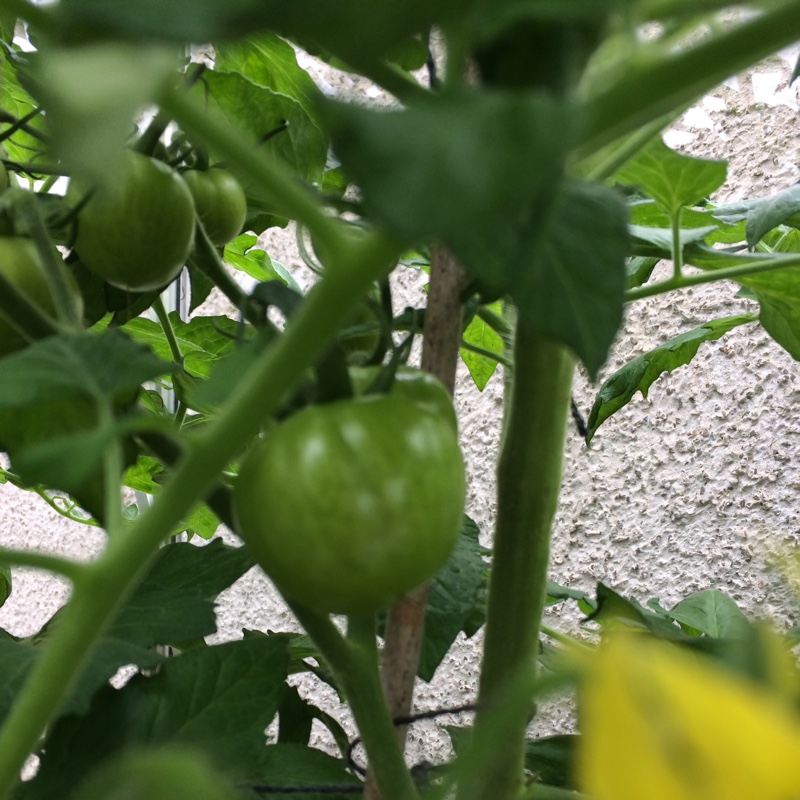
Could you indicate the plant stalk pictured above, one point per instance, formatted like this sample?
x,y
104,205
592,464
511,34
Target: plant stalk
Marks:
x,y
405,622
355,662
679,78
528,482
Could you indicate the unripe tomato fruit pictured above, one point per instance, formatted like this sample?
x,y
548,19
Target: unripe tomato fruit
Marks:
x,y
220,202
136,232
420,387
170,773
348,506
21,265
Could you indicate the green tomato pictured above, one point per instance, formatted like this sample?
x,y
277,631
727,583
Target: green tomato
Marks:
x,y
169,773
136,233
348,506
421,387
220,203
21,265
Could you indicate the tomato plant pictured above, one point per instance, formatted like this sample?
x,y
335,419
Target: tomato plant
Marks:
x,y
518,169
136,232
220,202
349,505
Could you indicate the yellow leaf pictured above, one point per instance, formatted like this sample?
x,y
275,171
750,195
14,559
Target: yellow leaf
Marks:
x,y
662,724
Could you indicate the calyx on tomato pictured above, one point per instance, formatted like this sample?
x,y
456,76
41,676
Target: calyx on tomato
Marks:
x,y
348,506
220,202
136,232
21,265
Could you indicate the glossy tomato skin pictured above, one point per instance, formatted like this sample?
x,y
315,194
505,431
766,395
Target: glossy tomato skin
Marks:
x,y
137,231
21,265
418,386
220,202
348,506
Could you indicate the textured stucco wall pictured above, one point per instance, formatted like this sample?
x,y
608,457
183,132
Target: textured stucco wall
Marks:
x,y
685,490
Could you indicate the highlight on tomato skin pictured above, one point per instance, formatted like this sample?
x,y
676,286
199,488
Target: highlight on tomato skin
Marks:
x,y
136,233
350,505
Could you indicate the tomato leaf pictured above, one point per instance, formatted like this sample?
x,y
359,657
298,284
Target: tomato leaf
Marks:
x,y
202,340
293,765
762,214
217,699
640,373
108,364
672,179
478,170
777,291
572,288
711,612
482,335
454,595
257,111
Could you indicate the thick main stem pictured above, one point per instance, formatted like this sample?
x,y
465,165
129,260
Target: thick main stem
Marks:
x,y
528,484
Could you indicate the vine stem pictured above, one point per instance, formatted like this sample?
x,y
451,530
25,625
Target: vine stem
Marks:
x,y
105,584
528,483
354,660
756,266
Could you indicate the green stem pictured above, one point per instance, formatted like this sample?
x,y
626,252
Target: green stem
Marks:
x,y
528,483
25,316
677,78
60,566
724,273
481,351
677,247
169,331
205,258
60,290
615,156
355,662
95,601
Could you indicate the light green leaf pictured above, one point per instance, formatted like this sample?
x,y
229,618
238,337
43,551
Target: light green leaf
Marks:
x,y
480,334
673,180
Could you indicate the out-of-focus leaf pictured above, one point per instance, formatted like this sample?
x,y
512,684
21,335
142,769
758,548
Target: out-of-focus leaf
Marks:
x,y
216,699
92,94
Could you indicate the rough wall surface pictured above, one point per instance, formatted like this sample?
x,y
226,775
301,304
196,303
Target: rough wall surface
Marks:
x,y
690,488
